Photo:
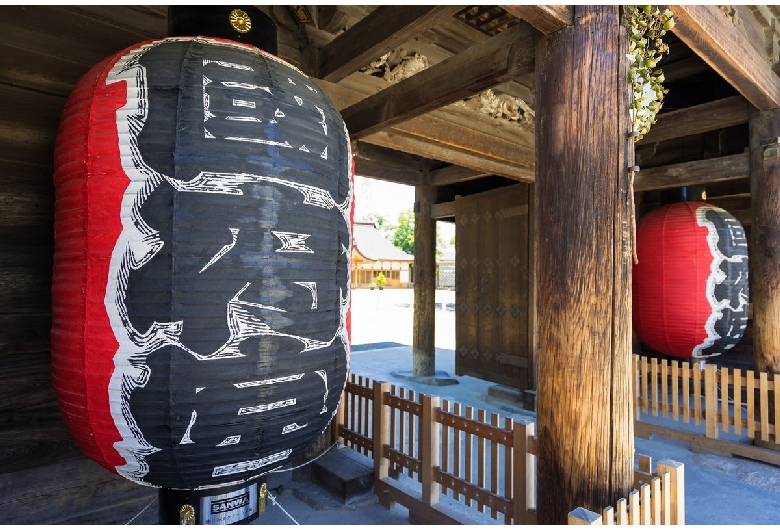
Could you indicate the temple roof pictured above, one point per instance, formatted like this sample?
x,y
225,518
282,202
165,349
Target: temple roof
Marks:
x,y
374,246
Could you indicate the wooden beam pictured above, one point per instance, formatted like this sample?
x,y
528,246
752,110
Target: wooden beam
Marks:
x,y
764,265
454,174
443,210
684,68
707,31
698,119
547,19
383,29
397,140
438,131
441,135
386,164
484,65
698,173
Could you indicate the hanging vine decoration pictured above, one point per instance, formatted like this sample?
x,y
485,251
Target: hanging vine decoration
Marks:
x,y
647,25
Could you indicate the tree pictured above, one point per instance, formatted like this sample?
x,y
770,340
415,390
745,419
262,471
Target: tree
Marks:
x,y
380,221
403,234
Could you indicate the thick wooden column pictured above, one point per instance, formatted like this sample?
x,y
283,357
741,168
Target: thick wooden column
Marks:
x,y
423,334
585,430
765,232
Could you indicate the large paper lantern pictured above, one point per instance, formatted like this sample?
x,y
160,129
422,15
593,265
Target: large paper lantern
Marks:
x,y
690,287
203,217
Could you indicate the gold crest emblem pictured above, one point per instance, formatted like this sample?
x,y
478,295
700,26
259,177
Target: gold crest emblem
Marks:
x,y
240,21
187,514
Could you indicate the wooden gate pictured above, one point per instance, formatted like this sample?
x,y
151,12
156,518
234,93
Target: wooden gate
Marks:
x,y
495,297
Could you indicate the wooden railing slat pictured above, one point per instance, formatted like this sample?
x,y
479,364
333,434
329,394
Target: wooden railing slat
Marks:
x,y
445,445
645,385
622,512
508,468
726,419
523,490
664,389
776,391
637,380
481,417
763,392
456,447
412,430
675,393
608,515
676,488
429,449
654,385
686,391
645,506
737,378
750,398
469,462
380,431
696,394
711,400
656,501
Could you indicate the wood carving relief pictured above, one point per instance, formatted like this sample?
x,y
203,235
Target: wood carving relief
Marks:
x,y
397,65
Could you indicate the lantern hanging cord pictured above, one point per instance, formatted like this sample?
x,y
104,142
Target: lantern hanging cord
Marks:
x,y
632,211
276,503
139,513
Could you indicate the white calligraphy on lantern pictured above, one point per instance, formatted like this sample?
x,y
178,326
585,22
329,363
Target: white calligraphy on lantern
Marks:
x,y
214,90
138,244
224,250
717,276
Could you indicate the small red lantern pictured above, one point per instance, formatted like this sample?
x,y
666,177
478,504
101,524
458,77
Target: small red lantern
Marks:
x,y
203,220
690,286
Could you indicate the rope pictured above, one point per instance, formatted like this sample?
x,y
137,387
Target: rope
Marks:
x,y
139,513
276,503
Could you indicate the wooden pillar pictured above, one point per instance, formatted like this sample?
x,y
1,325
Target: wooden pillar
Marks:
x,y
765,258
585,430
423,334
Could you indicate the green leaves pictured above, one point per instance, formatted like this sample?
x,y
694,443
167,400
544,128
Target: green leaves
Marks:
x,y
646,26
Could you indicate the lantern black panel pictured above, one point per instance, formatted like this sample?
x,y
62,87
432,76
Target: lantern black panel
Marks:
x,y
216,202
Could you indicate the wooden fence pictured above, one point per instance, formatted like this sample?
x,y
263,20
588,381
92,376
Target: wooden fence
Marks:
x,y
435,456
716,399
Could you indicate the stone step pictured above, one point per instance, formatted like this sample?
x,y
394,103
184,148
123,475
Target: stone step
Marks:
x,y
344,473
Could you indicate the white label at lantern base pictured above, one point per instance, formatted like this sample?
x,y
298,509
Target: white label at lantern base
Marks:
x,y
229,508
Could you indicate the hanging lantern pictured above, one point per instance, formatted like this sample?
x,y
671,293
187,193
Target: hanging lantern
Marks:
x,y
690,286
203,218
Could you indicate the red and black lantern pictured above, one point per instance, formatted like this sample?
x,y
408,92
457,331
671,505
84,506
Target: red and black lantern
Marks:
x,y
203,220
690,287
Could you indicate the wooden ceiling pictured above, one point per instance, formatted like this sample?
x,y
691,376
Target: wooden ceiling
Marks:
x,y
419,131
432,127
